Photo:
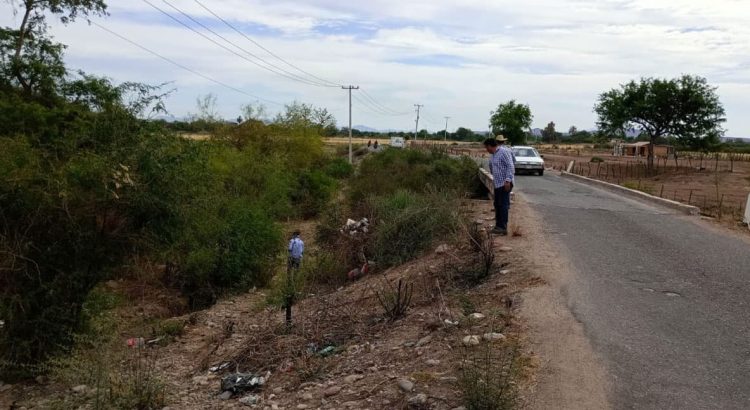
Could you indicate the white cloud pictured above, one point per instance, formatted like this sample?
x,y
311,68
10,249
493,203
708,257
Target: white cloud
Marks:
x,y
556,55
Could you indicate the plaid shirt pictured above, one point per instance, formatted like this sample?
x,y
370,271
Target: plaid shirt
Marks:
x,y
502,166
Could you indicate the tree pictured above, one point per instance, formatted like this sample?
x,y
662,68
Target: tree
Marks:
x,y
548,133
306,116
686,108
33,25
463,134
572,130
207,108
254,112
512,119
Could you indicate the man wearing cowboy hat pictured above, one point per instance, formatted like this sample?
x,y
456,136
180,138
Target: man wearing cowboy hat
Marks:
x,y
502,169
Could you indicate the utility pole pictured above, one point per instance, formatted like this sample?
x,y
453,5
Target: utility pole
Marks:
x,y
416,127
350,88
445,135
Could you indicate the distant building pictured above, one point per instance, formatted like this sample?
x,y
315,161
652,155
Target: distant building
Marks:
x,y
640,149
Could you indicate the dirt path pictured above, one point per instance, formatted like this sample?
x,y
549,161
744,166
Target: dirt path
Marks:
x,y
570,375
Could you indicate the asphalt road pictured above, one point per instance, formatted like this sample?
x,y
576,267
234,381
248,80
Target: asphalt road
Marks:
x,y
664,301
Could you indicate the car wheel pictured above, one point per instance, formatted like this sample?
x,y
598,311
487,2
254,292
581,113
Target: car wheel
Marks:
x,y
541,172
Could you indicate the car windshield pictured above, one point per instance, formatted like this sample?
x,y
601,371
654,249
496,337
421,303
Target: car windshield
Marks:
x,y
524,152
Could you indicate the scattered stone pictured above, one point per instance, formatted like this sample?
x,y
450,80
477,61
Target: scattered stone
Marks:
x,y
501,285
41,379
271,396
505,249
302,406
459,408
278,390
479,222
409,344
332,391
472,340
405,385
449,379
493,336
250,400
441,249
5,387
350,404
505,271
80,389
423,341
476,316
353,378
307,396
451,322
418,400
432,362
226,395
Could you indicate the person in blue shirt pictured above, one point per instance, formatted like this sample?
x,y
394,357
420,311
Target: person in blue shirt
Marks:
x,y
502,168
296,250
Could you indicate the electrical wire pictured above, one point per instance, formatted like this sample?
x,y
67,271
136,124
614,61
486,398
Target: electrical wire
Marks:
x,y
169,60
381,106
223,46
300,78
238,31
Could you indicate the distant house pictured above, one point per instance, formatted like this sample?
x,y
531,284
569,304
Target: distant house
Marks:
x,y
640,149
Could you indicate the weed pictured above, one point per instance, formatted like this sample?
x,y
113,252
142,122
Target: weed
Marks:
x,y
467,306
596,159
395,302
488,377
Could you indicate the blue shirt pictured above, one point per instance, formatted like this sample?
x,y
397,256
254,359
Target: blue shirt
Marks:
x,y
502,166
296,248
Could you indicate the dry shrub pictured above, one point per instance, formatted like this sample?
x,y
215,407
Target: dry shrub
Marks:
x,y
488,376
395,302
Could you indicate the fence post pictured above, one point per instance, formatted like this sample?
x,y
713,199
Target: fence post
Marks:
x,y
721,203
690,197
661,193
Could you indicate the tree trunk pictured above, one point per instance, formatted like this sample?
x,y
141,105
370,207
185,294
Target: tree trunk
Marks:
x,y
29,4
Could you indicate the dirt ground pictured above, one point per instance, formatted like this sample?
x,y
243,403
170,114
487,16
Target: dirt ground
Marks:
x,y
414,362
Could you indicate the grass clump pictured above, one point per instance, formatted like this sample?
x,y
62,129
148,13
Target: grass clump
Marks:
x,y
407,223
488,377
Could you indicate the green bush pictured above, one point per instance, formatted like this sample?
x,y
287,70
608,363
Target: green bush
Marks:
x,y
393,169
314,189
407,223
339,168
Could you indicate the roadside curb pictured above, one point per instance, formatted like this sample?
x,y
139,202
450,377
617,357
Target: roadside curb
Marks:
x,y
678,206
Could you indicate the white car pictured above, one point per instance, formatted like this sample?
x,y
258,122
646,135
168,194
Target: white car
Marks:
x,y
397,142
528,160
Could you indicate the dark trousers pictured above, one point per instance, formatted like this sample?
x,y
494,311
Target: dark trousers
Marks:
x,y
502,205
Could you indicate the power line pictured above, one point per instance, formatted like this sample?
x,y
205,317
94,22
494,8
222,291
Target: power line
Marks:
x,y
373,109
302,79
261,47
224,47
169,60
383,107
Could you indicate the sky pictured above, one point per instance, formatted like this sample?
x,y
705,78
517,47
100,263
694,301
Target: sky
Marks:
x,y
458,59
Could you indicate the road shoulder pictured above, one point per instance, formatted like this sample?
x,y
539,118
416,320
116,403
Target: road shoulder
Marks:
x,y
570,375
